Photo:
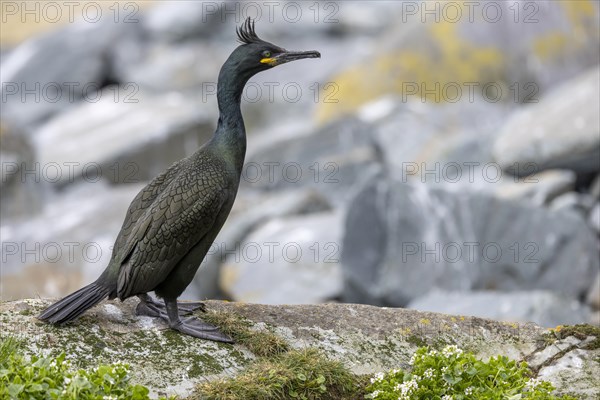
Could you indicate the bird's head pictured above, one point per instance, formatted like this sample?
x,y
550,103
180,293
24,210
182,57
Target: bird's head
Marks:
x,y
255,55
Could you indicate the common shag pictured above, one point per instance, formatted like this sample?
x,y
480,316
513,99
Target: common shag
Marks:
x,y
172,222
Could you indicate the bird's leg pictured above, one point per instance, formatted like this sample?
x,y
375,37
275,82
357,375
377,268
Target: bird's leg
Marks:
x,y
152,308
193,326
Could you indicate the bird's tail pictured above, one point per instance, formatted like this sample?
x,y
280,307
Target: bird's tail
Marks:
x,y
75,304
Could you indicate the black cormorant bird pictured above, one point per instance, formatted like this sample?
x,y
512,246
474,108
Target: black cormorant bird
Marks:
x,y
172,222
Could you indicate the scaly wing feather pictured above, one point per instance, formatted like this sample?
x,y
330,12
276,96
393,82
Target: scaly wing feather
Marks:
x,y
178,218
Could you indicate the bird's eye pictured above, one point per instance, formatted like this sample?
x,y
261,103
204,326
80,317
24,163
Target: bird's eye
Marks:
x,y
266,54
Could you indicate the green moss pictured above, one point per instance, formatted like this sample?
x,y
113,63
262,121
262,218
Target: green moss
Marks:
x,y
302,374
580,331
259,342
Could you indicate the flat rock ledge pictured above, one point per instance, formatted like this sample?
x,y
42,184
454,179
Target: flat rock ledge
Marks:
x,y
366,339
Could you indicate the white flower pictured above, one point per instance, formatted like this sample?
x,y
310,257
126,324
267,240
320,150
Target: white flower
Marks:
x,y
428,373
451,351
469,390
378,377
67,380
407,387
413,359
532,383
444,369
447,397
375,394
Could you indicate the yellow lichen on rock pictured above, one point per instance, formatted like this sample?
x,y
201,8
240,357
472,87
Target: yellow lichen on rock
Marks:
x,y
429,60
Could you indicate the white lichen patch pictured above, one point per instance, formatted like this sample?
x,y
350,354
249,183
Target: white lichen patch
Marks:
x,y
147,323
577,371
113,310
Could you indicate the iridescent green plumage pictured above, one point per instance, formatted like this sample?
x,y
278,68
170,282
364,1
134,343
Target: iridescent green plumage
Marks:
x,y
172,222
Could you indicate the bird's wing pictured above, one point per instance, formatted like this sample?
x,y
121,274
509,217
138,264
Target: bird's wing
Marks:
x,y
179,217
140,204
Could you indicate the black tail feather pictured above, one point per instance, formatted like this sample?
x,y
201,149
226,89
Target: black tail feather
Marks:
x,y
75,304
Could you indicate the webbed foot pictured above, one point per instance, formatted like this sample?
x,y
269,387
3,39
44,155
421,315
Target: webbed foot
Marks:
x,y
170,312
200,329
153,308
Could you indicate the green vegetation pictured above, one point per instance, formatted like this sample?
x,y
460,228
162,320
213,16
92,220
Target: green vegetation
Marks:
x,y
296,374
53,378
278,372
261,343
580,331
452,374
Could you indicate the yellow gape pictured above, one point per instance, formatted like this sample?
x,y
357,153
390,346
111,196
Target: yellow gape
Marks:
x,y
270,61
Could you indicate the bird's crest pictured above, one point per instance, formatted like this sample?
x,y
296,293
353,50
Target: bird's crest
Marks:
x,y
246,33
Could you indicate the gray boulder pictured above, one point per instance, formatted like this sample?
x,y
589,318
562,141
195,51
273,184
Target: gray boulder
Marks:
x,y
19,192
561,131
293,260
580,203
541,307
415,138
538,189
251,210
67,244
163,67
123,142
427,54
52,72
333,160
593,296
401,241
176,21
595,187
594,218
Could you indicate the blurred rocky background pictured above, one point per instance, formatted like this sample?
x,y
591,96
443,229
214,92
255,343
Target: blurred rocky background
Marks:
x,y
443,156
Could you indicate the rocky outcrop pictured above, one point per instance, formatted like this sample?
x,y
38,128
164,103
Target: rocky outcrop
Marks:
x,y
32,258
252,210
402,240
126,141
36,84
302,253
561,131
435,48
333,161
545,307
366,339
19,195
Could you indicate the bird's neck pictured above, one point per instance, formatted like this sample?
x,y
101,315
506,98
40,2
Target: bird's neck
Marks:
x,y
231,132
